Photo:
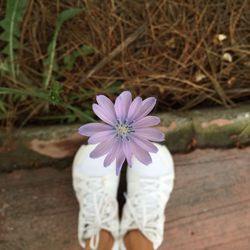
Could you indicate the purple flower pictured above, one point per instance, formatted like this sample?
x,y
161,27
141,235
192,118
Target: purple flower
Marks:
x,y
127,130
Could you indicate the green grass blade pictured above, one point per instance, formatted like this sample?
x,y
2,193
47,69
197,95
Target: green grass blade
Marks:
x,y
49,62
11,31
23,92
82,116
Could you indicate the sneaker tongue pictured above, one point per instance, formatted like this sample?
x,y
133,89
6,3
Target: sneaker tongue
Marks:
x,y
134,180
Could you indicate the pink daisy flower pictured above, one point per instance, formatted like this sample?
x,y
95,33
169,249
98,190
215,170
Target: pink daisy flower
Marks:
x,y
126,131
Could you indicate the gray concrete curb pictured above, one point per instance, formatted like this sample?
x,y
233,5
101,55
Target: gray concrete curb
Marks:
x,y
207,128
56,145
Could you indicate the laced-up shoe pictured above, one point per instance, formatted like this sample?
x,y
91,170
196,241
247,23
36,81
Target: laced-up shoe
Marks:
x,y
97,199
147,196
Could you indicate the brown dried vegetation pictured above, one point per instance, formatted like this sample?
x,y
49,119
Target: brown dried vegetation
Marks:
x,y
186,53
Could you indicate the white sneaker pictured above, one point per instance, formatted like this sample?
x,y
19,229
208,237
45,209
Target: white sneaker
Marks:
x,y
96,196
147,195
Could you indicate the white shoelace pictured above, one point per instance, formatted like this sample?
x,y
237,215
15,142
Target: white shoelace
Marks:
x,y
97,209
146,206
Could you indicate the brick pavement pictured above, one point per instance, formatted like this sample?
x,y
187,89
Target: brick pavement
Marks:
x,y
209,208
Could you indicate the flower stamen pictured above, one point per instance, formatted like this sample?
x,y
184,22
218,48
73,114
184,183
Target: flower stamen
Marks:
x,y
123,129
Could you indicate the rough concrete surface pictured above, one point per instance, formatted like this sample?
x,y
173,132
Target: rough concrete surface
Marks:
x,y
208,210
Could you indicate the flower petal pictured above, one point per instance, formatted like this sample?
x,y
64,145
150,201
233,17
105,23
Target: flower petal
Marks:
x,y
147,106
118,107
106,104
101,136
122,104
134,108
112,153
120,158
147,121
145,144
142,155
103,114
127,151
151,134
119,162
102,148
91,128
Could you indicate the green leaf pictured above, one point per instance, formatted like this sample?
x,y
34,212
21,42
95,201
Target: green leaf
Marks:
x,y
55,93
113,87
87,50
7,48
69,60
11,30
49,62
4,67
67,15
2,106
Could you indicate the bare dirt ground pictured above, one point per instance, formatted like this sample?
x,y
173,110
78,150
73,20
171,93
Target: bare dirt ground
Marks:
x,y
209,208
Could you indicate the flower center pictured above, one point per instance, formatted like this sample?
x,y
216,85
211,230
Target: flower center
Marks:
x,y
123,130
